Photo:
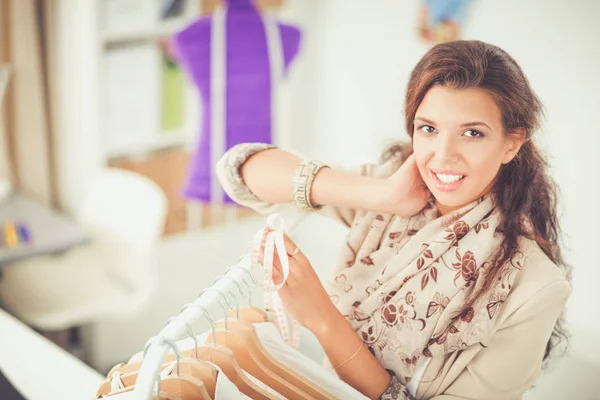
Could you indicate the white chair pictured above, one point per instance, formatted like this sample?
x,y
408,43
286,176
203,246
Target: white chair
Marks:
x,y
113,275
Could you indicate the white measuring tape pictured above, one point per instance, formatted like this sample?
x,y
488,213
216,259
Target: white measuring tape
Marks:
x,y
274,243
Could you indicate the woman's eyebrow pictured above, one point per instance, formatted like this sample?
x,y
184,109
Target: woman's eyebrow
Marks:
x,y
476,123
428,121
466,124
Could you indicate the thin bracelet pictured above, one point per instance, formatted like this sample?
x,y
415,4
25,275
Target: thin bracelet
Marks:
x,y
353,355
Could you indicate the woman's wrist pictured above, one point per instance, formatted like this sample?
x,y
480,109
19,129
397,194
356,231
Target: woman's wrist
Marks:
x,y
343,189
362,192
352,360
324,328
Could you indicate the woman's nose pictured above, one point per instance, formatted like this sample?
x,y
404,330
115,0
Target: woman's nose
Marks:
x,y
446,148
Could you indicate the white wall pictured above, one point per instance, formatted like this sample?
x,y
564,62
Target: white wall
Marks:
x,y
361,56
365,53
294,124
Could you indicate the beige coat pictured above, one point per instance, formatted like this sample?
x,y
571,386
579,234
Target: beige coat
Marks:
x,y
509,364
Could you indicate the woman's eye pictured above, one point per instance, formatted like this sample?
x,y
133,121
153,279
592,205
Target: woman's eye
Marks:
x,y
427,129
473,133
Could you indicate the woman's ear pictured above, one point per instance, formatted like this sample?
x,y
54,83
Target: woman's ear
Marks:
x,y
514,141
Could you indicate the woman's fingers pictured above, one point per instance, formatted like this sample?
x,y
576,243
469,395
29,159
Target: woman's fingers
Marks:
x,y
277,277
293,251
294,256
277,270
276,263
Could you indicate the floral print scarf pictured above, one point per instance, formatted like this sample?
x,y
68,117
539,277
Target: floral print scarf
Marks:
x,y
404,283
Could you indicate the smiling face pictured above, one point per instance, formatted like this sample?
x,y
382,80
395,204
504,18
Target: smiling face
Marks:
x,y
460,144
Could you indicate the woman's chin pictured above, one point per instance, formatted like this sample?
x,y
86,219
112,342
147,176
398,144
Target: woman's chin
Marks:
x,y
447,202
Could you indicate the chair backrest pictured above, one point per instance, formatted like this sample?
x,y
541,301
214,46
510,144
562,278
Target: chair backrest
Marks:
x,y
126,213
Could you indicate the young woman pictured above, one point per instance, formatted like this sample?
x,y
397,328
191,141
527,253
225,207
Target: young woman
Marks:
x,y
451,283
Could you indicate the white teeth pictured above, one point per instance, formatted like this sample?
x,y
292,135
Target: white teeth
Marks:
x,y
449,178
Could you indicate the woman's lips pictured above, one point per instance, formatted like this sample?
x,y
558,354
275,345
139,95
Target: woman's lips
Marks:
x,y
447,181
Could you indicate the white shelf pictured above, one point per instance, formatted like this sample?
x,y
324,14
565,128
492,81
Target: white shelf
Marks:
x,y
142,147
132,78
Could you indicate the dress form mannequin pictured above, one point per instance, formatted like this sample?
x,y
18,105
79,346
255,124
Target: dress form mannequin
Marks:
x,y
234,58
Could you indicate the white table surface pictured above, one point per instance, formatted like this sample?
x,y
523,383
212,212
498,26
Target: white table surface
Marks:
x,y
51,231
39,369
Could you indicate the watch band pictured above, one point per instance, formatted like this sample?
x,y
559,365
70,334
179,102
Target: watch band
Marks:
x,y
302,184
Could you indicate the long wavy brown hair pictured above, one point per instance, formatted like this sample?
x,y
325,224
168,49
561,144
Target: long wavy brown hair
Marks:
x,y
524,192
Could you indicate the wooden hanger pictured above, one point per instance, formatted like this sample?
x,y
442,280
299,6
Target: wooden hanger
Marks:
x,y
221,356
253,315
115,368
245,353
225,359
191,367
245,350
248,332
249,313
173,388
162,396
242,339
190,385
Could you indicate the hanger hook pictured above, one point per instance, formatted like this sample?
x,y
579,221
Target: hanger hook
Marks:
x,y
220,305
208,318
243,280
232,280
246,270
189,330
172,345
237,304
245,257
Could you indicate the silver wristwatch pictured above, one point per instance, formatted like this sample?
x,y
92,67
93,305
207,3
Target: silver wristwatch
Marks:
x,y
302,184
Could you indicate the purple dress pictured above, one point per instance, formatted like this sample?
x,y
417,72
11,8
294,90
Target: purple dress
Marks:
x,y
245,82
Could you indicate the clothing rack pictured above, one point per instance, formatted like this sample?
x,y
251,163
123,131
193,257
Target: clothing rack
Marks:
x,y
179,325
